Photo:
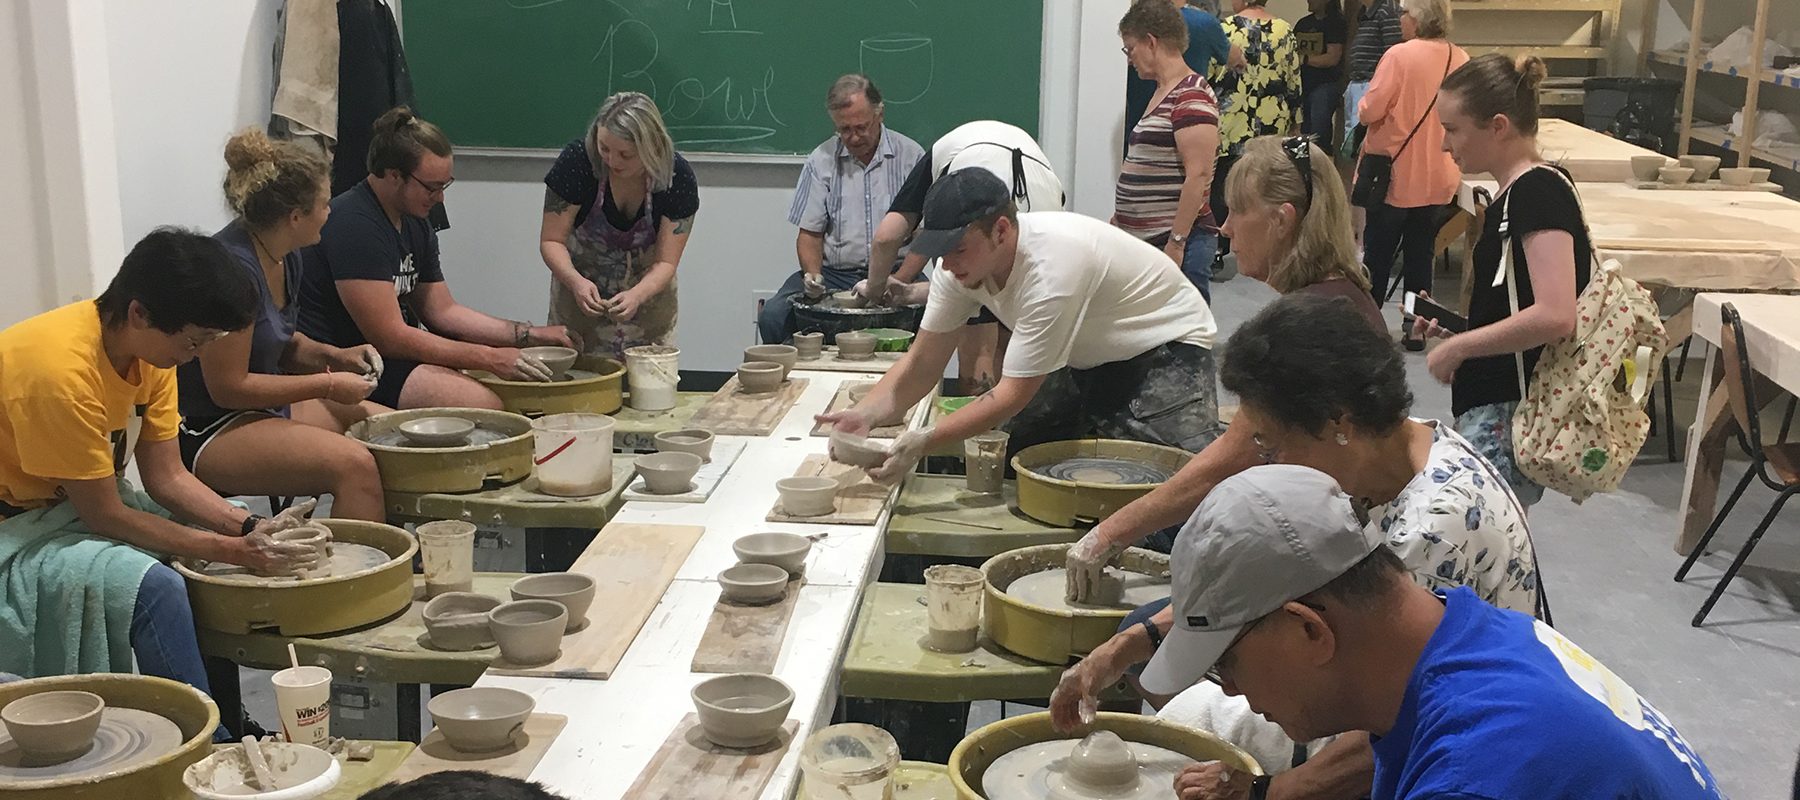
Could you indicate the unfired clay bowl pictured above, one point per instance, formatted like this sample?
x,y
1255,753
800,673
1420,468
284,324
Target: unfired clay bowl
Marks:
x,y
1645,168
668,473
753,584
558,359
784,550
1702,166
318,537
855,345
1742,176
437,431
529,632
481,719
855,450
53,727
807,497
759,377
809,344
742,710
571,590
692,440
783,354
1675,176
459,621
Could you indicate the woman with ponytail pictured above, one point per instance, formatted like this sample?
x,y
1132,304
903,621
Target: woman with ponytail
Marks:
x,y
1489,112
264,409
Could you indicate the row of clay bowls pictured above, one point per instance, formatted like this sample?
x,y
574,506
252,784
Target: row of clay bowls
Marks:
x,y
766,561
1694,169
679,456
529,629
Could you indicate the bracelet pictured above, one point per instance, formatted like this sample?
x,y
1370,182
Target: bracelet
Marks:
x,y
1156,637
1259,787
250,524
521,334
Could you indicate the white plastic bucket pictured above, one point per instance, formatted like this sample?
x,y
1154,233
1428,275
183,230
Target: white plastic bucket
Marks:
x,y
652,372
573,454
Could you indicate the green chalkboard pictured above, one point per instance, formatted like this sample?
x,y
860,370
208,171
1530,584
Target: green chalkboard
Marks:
x,y
734,76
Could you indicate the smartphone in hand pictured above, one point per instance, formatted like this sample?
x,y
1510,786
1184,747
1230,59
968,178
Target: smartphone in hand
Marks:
x,y
1421,306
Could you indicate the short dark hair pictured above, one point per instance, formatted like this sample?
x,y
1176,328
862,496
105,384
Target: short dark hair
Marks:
x,y
1309,359
1364,585
1155,18
986,224
181,278
400,139
461,785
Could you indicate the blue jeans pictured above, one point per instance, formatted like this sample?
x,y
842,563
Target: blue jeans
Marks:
x,y
1197,260
1320,104
162,633
776,322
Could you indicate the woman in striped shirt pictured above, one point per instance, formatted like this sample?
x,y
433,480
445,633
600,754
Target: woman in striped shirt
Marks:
x,y
1163,186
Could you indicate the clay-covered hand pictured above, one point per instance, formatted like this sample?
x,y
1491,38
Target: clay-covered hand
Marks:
x,y
872,293
625,305
849,420
261,551
370,360
514,365
294,515
1077,695
347,388
812,285
1086,562
587,296
556,336
1211,780
903,456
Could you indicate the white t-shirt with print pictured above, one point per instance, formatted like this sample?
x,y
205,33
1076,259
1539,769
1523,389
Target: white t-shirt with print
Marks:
x,y
1082,293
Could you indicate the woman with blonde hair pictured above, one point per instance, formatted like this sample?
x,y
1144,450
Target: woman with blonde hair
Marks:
x,y
618,206
264,409
1291,222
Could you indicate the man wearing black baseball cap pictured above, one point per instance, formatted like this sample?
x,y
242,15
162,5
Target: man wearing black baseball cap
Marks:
x,y
1108,339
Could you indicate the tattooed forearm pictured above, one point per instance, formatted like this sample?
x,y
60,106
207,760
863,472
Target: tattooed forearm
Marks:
x,y
553,202
684,225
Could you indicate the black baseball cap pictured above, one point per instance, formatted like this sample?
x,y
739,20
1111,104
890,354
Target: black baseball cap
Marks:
x,y
955,201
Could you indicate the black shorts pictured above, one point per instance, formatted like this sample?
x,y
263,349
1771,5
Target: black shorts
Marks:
x,y
982,318
394,372
195,434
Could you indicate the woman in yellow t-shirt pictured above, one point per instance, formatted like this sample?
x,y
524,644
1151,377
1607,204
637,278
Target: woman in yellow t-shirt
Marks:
x,y
1258,92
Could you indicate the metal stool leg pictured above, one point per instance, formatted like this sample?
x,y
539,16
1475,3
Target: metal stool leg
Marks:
x,y
1681,366
1744,554
1787,421
1669,413
1711,530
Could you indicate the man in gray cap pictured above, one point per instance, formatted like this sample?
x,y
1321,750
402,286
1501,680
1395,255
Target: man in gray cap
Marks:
x,y
1282,594
1108,338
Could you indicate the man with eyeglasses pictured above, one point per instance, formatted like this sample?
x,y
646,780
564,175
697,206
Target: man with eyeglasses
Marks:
x,y
847,184
375,278
1283,594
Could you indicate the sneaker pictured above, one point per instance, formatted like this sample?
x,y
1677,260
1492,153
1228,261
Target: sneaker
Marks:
x,y
1411,344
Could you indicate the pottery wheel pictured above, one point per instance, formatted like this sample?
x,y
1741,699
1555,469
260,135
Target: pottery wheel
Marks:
x,y
1049,589
1123,471
127,737
576,375
1041,771
479,436
347,558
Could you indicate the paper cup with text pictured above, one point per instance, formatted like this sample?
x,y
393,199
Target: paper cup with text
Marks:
x,y
303,697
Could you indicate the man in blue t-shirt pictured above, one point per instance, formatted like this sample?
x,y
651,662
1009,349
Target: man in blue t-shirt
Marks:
x,y
1207,45
1282,594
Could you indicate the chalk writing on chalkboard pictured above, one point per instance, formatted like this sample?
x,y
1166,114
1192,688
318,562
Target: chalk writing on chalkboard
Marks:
x,y
904,62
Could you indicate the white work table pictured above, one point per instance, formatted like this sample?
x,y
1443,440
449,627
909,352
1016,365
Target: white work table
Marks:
x,y
616,725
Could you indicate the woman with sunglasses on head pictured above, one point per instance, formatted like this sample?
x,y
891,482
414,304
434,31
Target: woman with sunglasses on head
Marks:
x,y
1318,387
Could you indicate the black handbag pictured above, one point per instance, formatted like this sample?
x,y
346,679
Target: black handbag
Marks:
x,y
1375,172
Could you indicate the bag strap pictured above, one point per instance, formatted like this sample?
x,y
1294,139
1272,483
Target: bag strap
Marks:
x,y
1449,55
1506,271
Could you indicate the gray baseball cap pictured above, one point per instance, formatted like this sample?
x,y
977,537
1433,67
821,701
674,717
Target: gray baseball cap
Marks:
x,y
1263,537
954,201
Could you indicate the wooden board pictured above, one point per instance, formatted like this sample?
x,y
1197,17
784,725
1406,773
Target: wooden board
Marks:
x,y
1710,186
435,754
688,766
631,564
724,454
733,413
829,362
841,401
746,638
859,499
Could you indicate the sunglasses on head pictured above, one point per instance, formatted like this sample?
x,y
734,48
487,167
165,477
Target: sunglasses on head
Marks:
x,y
1299,153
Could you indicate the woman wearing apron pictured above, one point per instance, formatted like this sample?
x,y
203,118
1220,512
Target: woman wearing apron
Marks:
x,y
618,206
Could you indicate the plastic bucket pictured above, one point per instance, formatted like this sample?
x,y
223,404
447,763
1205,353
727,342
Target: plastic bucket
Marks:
x,y
850,761
953,605
652,372
572,454
447,550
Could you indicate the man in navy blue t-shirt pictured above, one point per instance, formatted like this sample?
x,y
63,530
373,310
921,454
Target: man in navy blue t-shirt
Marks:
x,y
1283,595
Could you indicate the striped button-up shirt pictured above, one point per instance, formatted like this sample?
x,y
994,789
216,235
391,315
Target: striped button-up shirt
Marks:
x,y
845,199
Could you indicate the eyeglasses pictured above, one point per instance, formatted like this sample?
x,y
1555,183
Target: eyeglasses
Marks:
x,y
1299,153
1217,676
430,188
196,342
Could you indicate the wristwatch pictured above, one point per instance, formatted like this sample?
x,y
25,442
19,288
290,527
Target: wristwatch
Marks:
x,y
1259,787
250,524
1178,238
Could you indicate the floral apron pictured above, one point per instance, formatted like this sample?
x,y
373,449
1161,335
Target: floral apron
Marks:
x,y
615,260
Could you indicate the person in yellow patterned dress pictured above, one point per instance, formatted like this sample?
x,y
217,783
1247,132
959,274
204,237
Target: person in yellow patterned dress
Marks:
x,y
1258,90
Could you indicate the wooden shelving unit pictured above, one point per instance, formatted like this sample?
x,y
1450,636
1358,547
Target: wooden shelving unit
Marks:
x,y
1570,34
1785,157
1693,65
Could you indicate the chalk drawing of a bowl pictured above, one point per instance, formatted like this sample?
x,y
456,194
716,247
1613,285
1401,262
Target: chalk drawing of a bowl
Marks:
x,y
900,63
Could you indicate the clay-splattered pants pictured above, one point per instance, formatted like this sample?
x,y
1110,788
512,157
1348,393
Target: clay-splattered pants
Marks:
x,y
1168,395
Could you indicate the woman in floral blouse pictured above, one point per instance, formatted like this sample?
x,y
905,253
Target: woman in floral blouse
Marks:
x,y
1258,91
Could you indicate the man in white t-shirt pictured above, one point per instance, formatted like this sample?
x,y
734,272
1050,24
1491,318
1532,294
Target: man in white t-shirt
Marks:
x,y
1109,340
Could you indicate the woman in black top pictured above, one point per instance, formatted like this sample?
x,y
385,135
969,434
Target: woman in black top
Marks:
x,y
1490,115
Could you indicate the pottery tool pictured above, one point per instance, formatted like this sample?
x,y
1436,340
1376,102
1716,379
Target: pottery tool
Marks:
x,y
859,499
732,412
741,638
435,754
265,780
968,523
689,766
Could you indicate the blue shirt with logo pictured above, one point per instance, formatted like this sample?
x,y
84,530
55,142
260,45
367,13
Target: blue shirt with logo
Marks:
x,y
1503,707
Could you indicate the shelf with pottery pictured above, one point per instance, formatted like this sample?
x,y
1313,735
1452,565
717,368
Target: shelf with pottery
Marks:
x,y
1767,75
1783,156
1691,69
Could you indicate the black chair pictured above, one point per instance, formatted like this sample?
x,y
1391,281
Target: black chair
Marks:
x,y
1778,465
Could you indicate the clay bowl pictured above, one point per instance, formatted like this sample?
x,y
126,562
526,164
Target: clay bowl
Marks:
x,y
692,440
1702,166
783,354
668,473
857,451
807,497
558,359
1759,174
53,727
573,591
437,431
1645,168
784,550
760,377
1735,176
753,584
318,537
809,344
1675,176
742,710
459,621
529,632
855,345
481,719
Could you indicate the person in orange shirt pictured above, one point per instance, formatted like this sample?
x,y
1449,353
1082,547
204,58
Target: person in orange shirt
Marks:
x,y
1401,113
83,389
